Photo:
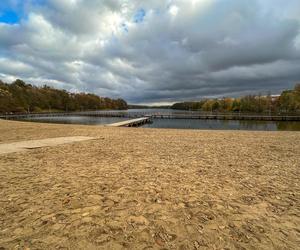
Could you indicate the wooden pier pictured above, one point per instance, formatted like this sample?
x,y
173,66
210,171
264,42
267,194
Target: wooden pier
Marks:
x,y
228,117
162,115
131,123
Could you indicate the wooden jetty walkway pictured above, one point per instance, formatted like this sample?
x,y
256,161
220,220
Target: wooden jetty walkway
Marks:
x,y
163,115
229,117
131,123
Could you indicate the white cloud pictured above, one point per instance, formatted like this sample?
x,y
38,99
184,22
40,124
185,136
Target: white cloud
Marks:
x,y
174,10
180,49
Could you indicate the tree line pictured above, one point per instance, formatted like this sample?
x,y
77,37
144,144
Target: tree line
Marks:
x,y
19,97
287,102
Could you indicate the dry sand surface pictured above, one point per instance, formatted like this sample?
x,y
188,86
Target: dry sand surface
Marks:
x,y
138,188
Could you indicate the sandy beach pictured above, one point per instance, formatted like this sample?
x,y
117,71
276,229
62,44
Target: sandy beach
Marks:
x,y
135,188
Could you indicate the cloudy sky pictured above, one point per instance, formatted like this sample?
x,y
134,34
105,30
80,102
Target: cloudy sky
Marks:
x,y
152,51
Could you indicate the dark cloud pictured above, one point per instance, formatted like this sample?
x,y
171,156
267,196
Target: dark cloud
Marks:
x,y
175,50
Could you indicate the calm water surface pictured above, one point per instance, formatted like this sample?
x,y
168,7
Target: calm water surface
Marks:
x,y
224,125
85,120
176,123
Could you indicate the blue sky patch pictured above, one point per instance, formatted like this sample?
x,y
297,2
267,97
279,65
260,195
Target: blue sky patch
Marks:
x,y
12,12
9,17
139,16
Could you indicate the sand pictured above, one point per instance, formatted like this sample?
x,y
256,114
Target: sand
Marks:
x,y
135,188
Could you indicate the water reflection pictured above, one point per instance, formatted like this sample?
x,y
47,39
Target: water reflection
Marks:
x,y
85,120
175,123
224,124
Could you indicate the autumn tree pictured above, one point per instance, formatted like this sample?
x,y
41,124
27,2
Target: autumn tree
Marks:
x,y
21,97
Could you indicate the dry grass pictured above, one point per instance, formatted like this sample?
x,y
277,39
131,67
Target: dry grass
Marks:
x,y
150,189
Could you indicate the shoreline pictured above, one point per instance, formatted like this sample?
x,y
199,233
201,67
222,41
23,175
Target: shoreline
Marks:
x,y
87,127
166,128
149,188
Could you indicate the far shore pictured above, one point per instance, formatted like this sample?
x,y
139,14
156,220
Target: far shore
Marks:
x,y
149,189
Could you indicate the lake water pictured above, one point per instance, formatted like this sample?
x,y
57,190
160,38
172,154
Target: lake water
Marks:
x,y
224,125
85,120
176,123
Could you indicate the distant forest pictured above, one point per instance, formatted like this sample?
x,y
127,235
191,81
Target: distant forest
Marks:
x,y
287,102
19,97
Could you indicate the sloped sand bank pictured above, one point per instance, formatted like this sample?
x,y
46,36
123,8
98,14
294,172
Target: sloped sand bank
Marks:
x,y
150,189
